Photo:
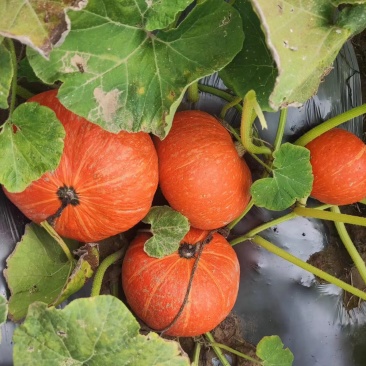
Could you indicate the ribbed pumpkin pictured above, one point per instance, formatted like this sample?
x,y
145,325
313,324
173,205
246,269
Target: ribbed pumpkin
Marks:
x,y
155,288
105,181
338,159
200,172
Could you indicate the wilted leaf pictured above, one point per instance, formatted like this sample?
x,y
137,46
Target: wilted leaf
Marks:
x,y
270,350
304,38
96,331
118,74
37,23
253,68
292,179
31,143
37,270
6,75
86,265
168,228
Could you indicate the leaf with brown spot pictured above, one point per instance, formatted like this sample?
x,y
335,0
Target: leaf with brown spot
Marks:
x,y
131,78
38,23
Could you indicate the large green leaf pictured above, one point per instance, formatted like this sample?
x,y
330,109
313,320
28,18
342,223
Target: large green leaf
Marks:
x,y
120,75
304,38
31,143
37,270
6,75
292,179
168,228
92,331
253,68
38,23
270,350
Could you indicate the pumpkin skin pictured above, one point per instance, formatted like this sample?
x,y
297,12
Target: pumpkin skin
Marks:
x,y
115,177
338,159
155,288
200,172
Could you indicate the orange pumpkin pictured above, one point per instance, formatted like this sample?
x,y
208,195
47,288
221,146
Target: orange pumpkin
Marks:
x,y
200,172
103,185
338,159
155,288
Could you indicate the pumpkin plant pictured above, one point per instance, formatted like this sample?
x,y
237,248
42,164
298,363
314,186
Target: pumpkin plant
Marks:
x,y
200,172
104,184
168,297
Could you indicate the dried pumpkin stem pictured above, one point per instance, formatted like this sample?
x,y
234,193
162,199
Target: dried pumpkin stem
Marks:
x,y
199,249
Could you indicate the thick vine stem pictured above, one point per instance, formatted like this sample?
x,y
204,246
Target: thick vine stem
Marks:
x,y
217,350
58,239
235,352
350,247
192,93
331,123
251,110
106,263
331,216
280,129
308,267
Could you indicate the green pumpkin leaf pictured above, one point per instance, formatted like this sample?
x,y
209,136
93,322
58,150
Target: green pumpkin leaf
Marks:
x,y
37,270
31,143
96,331
270,350
304,39
121,76
3,311
37,23
6,75
168,228
253,68
83,271
159,14
292,179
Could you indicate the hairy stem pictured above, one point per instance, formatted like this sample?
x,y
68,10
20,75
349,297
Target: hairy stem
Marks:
x,y
280,129
240,354
229,105
58,239
192,93
348,243
217,350
331,216
308,267
196,353
100,272
219,93
23,92
331,123
250,111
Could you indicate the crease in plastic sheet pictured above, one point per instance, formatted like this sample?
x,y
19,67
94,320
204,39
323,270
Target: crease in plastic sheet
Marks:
x,y
275,296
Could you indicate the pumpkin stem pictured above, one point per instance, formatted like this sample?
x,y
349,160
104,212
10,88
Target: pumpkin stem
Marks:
x,y
67,196
188,251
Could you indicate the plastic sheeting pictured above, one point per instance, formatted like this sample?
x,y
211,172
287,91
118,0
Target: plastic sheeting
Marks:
x,y
275,297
